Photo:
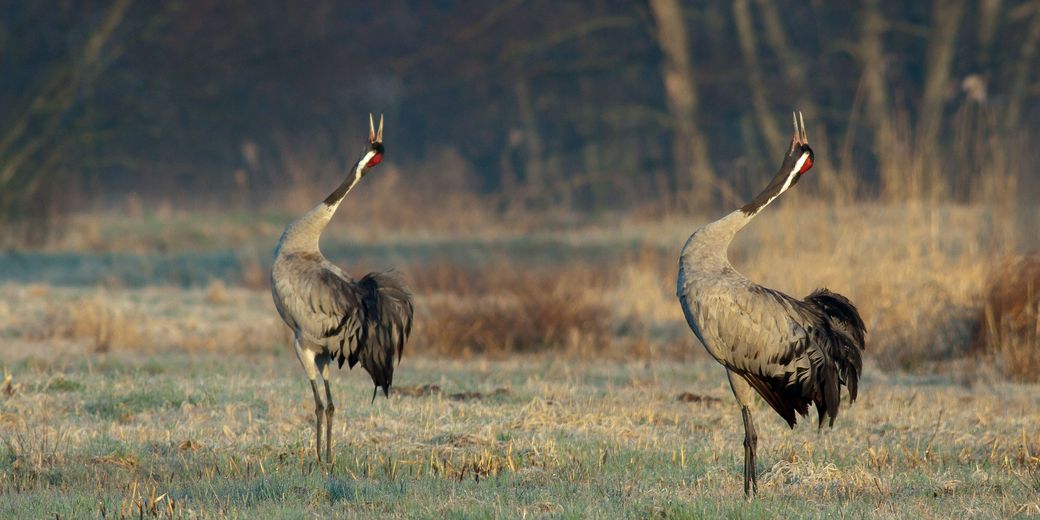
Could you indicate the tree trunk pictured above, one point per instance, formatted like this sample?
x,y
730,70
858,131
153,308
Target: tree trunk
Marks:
x,y
1023,68
879,115
946,17
59,94
775,140
872,54
989,19
534,173
795,72
692,169
34,146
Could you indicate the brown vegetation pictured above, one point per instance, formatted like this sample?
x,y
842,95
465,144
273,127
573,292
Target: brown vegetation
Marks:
x,y
920,274
94,319
1009,320
501,309
152,319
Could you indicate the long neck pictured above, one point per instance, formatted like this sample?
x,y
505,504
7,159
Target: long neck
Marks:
x,y
303,234
782,181
714,238
348,183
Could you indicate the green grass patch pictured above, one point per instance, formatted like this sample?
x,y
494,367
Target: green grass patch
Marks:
x,y
134,401
60,384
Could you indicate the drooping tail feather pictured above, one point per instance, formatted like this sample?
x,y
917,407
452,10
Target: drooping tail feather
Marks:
x,y
843,338
387,313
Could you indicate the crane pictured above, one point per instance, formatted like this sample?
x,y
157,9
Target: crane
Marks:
x,y
792,352
333,316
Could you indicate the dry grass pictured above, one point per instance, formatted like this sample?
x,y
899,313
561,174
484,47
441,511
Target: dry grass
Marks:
x,y
915,272
226,438
918,273
153,319
31,455
216,293
199,408
1009,321
501,309
94,319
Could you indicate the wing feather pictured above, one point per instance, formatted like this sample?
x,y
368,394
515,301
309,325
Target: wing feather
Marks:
x,y
793,352
367,320
388,314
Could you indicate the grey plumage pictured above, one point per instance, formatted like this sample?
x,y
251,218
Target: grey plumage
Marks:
x,y
792,352
366,320
333,316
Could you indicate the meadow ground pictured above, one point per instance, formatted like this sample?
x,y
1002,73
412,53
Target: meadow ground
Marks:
x,y
211,435
208,435
550,375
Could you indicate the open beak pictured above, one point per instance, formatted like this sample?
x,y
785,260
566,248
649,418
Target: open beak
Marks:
x,y
800,137
373,135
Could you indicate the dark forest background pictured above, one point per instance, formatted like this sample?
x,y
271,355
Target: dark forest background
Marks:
x,y
530,104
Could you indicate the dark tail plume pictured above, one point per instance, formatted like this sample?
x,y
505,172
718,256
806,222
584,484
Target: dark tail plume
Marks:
x,y
844,338
388,316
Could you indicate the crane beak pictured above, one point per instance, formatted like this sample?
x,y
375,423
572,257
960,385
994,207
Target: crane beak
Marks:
x,y
373,135
799,137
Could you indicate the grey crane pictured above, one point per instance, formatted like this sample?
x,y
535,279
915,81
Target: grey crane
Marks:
x,y
333,316
793,352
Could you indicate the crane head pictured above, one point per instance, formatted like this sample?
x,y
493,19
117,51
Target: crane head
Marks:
x,y
374,152
797,161
800,158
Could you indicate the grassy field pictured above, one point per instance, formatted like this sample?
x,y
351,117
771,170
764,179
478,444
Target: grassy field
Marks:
x,y
149,376
210,435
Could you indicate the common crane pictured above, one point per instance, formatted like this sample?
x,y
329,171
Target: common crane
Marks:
x,y
792,352
333,316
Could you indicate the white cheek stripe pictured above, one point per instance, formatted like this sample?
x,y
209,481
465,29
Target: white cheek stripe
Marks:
x,y
361,164
790,178
797,168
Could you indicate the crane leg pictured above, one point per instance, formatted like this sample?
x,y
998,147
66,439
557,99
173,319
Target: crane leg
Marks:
x,y
745,394
306,357
750,449
324,361
319,413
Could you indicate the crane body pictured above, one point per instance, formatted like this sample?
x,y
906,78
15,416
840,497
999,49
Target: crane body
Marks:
x,y
792,352
333,316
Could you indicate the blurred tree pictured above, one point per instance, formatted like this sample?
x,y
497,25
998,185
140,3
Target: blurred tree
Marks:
x,y
46,133
689,147
746,36
1023,67
583,106
794,67
946,19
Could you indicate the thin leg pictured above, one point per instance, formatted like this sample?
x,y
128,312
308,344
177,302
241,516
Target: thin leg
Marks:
x,y
745,394
319,413
330,409
754,456
747,458
750,447
306,357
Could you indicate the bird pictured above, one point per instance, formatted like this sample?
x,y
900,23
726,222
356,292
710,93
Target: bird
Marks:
x,y
333,316
792,352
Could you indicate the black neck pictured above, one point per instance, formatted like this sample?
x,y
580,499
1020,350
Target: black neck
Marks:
x,y
773,190
781,181
341,191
